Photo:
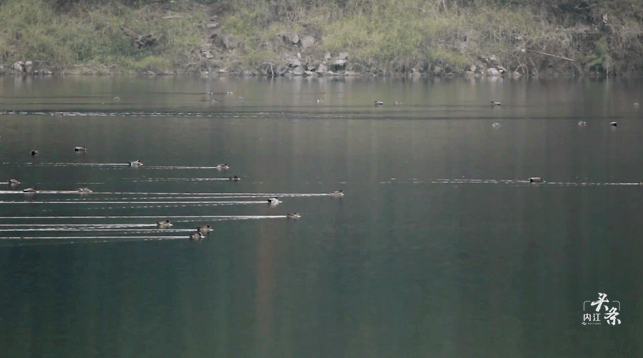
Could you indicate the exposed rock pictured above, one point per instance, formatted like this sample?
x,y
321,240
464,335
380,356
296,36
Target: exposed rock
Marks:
x,y
298,71
492,72
473,68
312,67
338,65
342,56
293,62
295,39
327,56
224,41
139,40
212,25
231,43
29,67
469,73
249,73
437,71
18,66
207,54
309,73
350,73
322,68
307,41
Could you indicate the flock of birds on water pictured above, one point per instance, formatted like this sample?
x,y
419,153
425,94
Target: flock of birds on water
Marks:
x,y
580,123
497,125
201,231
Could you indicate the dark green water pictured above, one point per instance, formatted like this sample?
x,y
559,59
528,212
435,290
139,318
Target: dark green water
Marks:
x,y
440,247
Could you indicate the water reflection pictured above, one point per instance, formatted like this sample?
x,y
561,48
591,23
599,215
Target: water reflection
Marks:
x,y
440,247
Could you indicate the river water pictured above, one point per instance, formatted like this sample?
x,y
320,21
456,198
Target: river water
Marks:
x,y
441,247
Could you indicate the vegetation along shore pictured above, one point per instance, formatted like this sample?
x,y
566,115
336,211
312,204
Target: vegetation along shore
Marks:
x,y
323,38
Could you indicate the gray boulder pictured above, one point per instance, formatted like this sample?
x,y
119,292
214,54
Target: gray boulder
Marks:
x,y
492,72
28,67
307,41
321,68
327,56
293,62
338,65
342,56
298,71
231,43
224,41
18,66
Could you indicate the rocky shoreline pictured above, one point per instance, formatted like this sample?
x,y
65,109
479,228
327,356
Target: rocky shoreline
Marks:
x,y
296,66
299,58
299,65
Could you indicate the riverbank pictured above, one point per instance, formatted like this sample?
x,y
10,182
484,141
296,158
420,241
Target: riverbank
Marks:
x,y
320,38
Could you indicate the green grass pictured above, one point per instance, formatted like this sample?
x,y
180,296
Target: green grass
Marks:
x,y
394,35
91,36
400,34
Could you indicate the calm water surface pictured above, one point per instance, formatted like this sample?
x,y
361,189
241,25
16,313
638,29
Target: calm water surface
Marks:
x,y
440,247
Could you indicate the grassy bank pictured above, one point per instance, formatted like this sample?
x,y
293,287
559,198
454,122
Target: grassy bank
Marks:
x,y
379,35
87,38
398,35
